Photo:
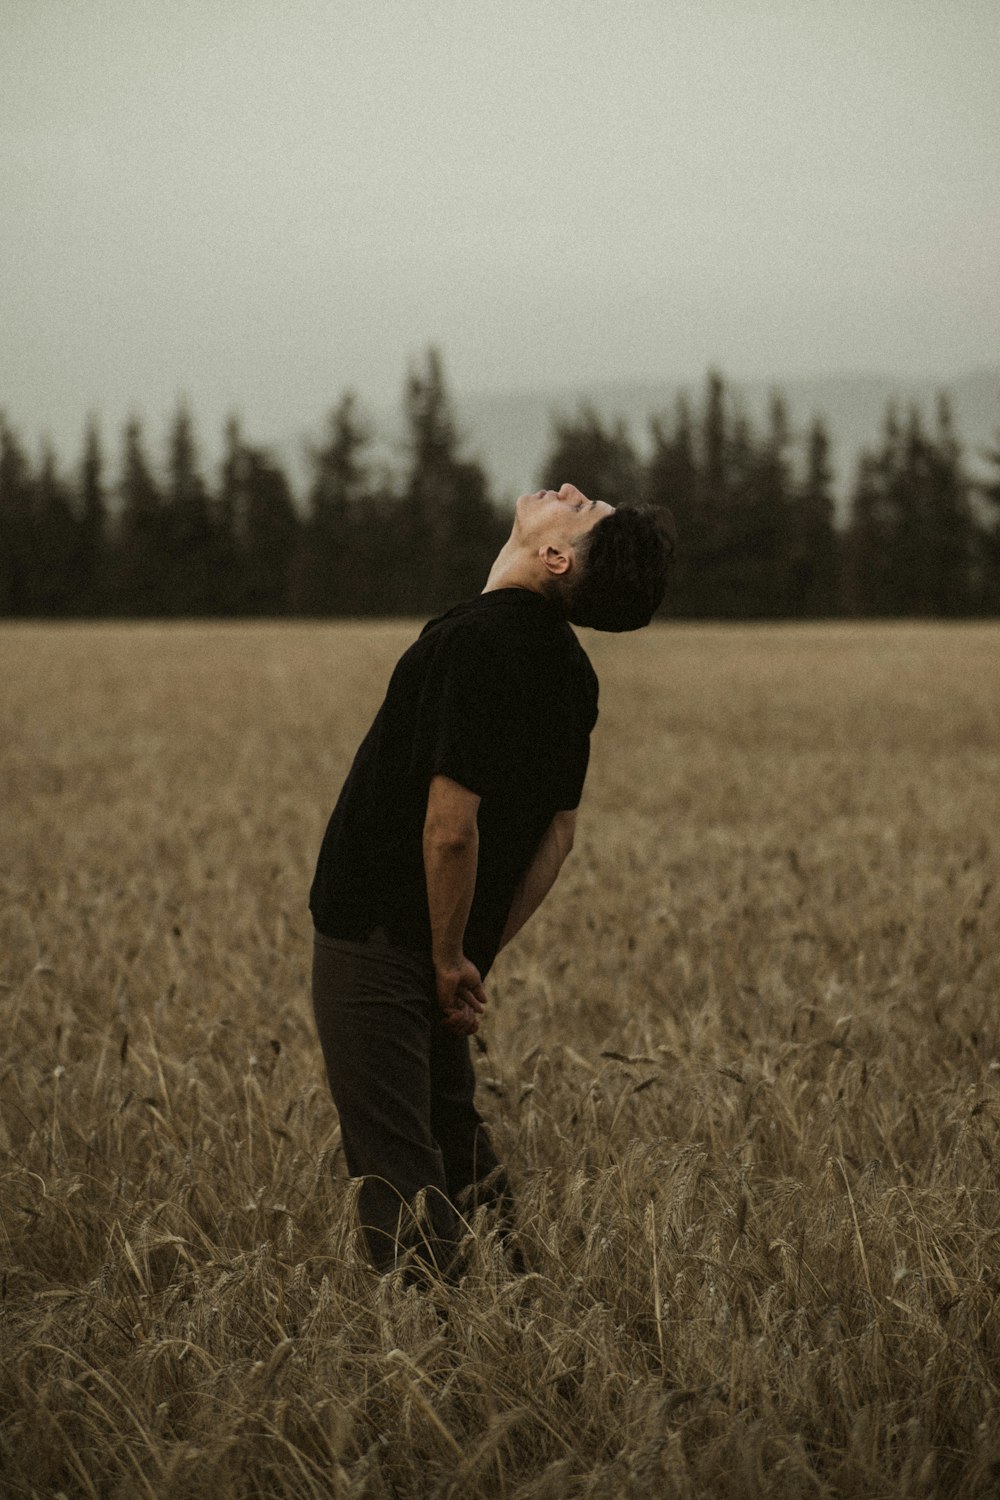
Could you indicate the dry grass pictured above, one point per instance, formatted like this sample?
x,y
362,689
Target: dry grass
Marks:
x,y
743,1065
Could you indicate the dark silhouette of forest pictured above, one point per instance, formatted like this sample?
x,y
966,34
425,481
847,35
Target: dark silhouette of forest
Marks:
x,y
754,511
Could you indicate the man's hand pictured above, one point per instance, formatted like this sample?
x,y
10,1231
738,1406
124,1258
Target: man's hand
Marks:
x,y
460,995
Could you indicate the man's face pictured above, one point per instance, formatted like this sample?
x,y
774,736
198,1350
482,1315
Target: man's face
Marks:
x,y
556,518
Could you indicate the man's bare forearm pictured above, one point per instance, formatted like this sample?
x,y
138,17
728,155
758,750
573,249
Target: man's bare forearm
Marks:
x,y
539,878
451,861
450,866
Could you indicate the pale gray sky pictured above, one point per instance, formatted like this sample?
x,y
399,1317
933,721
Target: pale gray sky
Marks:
x,y
259,203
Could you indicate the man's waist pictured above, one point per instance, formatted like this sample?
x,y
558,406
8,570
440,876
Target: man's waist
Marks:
x,y
383,932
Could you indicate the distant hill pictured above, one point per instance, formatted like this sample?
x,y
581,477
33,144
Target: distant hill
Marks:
x,y
510,431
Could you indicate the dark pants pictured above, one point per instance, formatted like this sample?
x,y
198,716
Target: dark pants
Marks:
x,y
404,1088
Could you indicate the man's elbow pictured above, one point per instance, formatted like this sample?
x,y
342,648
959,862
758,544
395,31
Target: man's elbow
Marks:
x,y
450,838
451,822
565,831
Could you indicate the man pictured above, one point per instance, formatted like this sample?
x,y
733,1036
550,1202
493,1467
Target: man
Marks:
x,y
451,828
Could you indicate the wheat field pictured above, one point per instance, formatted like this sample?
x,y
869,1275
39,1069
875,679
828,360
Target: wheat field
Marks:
x,y
743,1065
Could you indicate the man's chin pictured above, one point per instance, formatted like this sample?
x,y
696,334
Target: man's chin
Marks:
x,y
525,504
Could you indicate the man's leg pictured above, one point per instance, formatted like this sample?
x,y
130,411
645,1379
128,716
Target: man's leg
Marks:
x,y
473,1174
376,1020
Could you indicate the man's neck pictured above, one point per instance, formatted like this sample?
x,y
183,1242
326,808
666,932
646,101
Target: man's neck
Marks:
x,y
512,570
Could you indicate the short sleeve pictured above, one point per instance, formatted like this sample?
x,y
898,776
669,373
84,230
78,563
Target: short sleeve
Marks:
x,y
472,719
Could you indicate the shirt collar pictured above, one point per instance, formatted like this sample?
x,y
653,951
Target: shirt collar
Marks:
x,y
517,594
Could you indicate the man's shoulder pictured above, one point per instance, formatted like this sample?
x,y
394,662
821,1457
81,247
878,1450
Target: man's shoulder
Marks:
x,y
452,645
461,631
509,631
494,622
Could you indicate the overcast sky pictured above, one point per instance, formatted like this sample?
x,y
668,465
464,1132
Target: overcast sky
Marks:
x,y
258,204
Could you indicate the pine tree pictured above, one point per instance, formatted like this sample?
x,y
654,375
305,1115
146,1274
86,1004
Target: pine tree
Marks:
x,y
910,539
759,485
191,574
141,553
716,447
864,544
449,527
813,547
928,521
328,578
670,479
271,536
871,582
54,541
738,483
950,522
987,537
698,464
227,514
777,501
16,549
601,461
340,473
715,440
92,531
432,439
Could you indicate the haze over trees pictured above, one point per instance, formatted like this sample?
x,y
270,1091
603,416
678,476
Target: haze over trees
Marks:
x,y
753,506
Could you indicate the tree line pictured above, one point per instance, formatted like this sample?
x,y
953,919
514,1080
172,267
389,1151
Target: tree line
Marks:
x,y
757,537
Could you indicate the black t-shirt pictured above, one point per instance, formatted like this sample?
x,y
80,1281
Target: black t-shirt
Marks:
x,y
497,694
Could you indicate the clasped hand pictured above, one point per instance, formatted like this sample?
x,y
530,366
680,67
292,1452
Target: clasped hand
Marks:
x,y
460,995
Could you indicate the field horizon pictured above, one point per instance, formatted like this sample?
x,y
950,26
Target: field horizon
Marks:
x,y
743,1065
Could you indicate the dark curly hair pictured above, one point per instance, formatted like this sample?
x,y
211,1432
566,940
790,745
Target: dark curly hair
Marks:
x,y
625,562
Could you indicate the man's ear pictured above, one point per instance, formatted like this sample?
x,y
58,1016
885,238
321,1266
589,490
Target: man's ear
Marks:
x,y
555,561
